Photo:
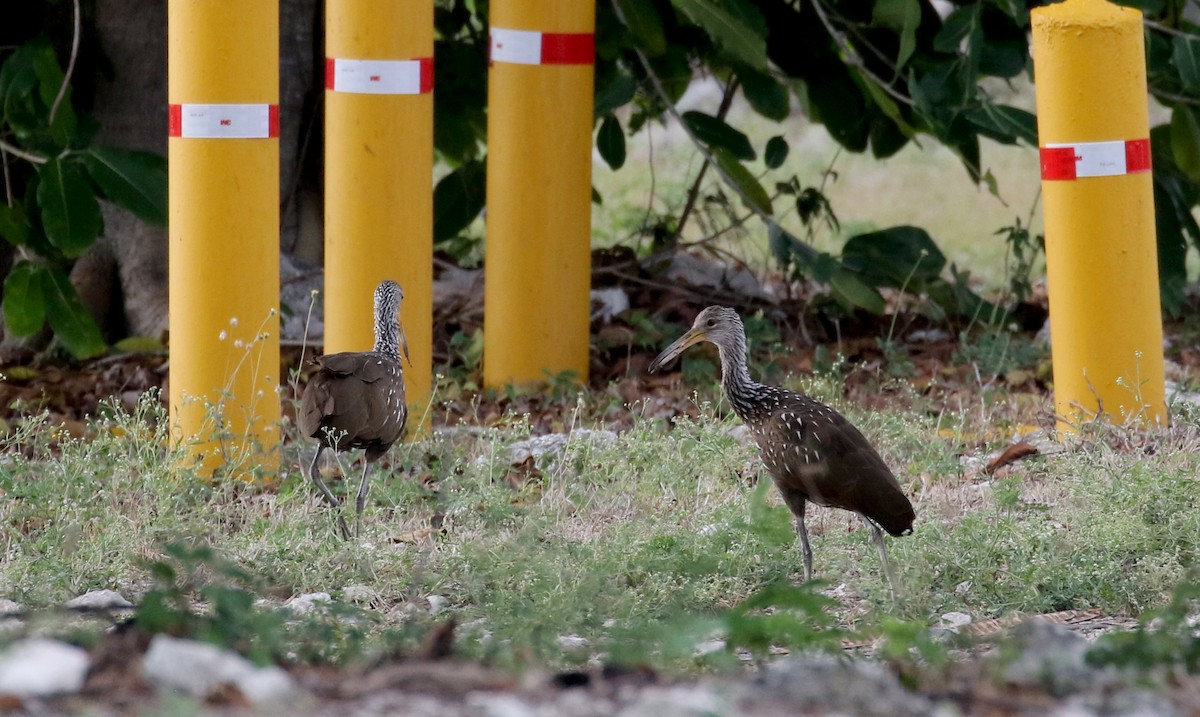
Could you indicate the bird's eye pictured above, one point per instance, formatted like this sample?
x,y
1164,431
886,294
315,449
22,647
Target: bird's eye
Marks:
x,y
711,322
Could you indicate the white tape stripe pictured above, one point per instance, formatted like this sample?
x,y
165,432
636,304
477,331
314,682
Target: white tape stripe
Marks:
x,y
377,77
522,47
1096,159
225,121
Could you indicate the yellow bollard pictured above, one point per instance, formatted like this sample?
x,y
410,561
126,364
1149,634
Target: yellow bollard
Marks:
x,y
539,173
1101,252
223,152
379,175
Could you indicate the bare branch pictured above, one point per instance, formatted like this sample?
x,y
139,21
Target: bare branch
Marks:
x,y
18,152
62,91
674,112
854,59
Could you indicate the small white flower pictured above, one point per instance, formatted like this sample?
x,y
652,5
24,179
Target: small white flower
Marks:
x,y
233,321
222,336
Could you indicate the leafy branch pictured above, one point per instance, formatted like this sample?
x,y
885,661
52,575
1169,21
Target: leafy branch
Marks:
x,y
51,214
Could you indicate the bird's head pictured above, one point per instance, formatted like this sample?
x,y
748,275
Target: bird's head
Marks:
x,y
716,324
388,297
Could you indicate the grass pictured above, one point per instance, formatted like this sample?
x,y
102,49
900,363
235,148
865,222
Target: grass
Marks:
x,y
635,545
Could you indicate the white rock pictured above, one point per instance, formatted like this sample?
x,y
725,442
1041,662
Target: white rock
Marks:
x,y
39,667
955,620
306,603
198,668
928,336
552,444
99,600
436,603
690,701
741,433
708,647
358,594
498,704
570,643
8,607
607,303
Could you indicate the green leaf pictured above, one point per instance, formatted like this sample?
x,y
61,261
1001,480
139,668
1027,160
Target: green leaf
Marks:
x,y
617,93
903,16
852,292
957,26
885,103
1004,124
753,193
734,36
1185,55
894,257
136,181
457,200
776,152
611,142
767,96
14,224
50,79
719,135
1185,141
18,78
641,17
70,213
72,324
24,302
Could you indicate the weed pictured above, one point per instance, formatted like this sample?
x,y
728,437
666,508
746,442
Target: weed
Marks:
x,y
1164,638
997,352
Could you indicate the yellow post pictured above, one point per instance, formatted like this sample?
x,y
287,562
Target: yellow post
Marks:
x,y
223,155
1101,252
379,175
539,173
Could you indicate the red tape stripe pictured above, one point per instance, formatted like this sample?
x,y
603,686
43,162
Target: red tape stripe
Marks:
x,y
1058,162
568,48
1095,159
1137,155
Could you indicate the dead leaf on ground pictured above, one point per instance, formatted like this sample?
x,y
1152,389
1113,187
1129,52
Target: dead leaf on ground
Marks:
x,y
413,536
1013,453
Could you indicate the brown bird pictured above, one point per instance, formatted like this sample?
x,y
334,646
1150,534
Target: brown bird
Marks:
x,y
814,455
356,399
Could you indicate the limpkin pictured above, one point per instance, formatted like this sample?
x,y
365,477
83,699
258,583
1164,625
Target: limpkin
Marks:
x,y
814,455
356,399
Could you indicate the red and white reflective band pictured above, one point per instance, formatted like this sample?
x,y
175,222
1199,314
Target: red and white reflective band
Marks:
x,y
530,47
379,77
223,121
1095,159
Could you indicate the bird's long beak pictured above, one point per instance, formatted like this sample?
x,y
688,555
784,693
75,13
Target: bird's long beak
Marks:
x,y
404,345
693,336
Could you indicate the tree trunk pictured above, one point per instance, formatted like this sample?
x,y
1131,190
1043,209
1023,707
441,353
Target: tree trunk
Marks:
x,y
131,108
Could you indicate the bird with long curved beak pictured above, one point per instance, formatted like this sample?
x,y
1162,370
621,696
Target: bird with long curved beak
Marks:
x,y
814,455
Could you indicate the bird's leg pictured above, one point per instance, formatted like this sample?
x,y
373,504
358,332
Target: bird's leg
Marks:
x,y
315,473
877,537
361,500
796,502
805,548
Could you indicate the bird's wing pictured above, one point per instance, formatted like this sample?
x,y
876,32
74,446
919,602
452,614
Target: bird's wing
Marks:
x,y
364,366
833,464
317,402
